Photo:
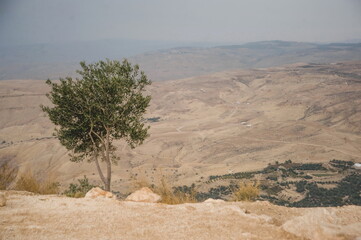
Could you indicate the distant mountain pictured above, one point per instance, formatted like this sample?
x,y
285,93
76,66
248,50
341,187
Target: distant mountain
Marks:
x,y
187,62
44,61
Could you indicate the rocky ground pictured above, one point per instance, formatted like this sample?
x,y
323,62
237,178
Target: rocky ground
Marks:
x,y
28,216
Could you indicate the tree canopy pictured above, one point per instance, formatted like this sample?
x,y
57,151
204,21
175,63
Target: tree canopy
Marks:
x,y
107,103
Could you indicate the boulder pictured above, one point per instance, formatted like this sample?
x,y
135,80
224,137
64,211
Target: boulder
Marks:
x,y
144,195
2,200
357,165
98,192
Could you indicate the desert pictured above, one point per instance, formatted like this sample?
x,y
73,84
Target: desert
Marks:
x,y
184,119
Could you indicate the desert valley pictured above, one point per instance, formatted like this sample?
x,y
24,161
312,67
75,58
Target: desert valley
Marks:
x,y
283,116
204,131
193,119
227,122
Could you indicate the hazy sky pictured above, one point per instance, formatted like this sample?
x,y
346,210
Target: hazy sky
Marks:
x,y
44,21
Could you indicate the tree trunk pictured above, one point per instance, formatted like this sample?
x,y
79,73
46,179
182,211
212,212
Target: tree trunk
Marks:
x,y
109,176
100,172
107,160
105,153
106,180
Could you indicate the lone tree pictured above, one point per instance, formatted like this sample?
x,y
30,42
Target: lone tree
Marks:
x,y
107,103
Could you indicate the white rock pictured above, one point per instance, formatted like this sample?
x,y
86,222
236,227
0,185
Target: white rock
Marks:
x,y
98,192
2,200
144,195
357,165
211,200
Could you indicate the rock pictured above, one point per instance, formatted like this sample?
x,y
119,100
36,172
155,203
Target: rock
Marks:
x,y
98,192
144,195
2,200
211,200
357,165
321,223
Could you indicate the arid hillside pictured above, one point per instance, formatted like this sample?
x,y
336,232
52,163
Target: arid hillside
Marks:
x,y
208,125
188,62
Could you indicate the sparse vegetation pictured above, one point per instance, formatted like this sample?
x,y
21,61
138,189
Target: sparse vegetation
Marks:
x,y
238,175
170,194
310,166
347,192
246,191
342,165
309,176
175,195
27,181
220,192
79,190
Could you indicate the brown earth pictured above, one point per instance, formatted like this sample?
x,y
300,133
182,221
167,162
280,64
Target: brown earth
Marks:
x,y
28,216
215,124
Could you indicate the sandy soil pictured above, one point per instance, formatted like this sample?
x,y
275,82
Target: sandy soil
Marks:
x,y
28,216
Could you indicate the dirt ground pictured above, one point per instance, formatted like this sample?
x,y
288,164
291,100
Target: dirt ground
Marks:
x,y
28,216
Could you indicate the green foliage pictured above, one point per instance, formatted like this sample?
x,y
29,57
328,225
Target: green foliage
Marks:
x,y
153,119
106,104
219,192
237,175
272,178
80,190
343,165
310,178
310,166
300,186
347,192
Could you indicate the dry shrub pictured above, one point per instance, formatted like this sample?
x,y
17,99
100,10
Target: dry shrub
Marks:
x,y
7,175
173,195
28,182
169,193
246,191
142,182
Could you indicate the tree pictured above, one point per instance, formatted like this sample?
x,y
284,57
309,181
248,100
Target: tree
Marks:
x,y
107,103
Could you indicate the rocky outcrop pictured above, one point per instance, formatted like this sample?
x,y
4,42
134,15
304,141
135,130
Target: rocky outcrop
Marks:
x,y
98,192
211,200
144,195
325,223
57,217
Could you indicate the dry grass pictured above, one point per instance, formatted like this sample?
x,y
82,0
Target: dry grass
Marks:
x,y
28,182
246,191
7,175
168,192
170,196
